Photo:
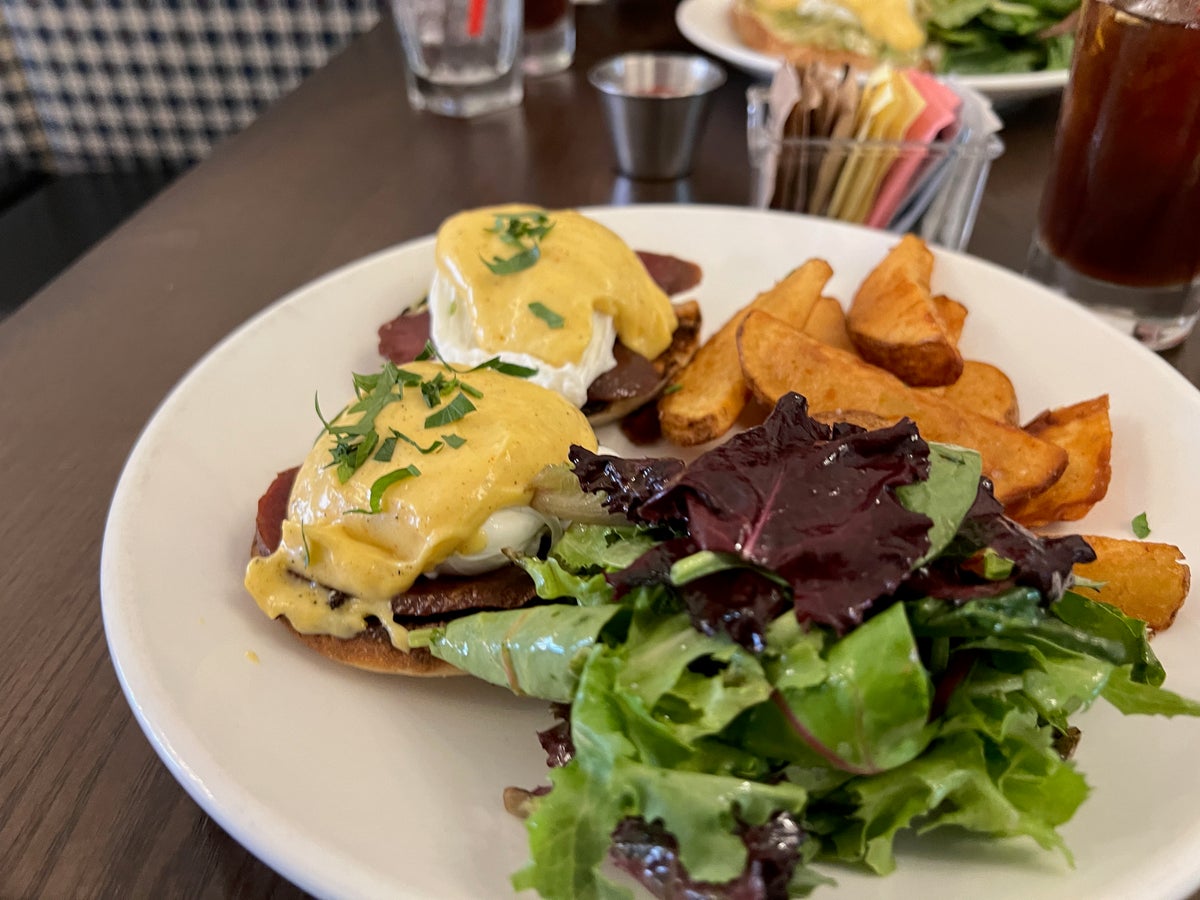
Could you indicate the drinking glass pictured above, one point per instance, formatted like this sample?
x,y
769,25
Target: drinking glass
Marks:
x,y
463,55
1118,224
549,36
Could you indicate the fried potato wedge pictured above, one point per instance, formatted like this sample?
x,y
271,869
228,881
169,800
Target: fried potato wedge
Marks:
x,y
827,323
984,389
777,358
1145,580
895,323
711,391
1085,432
953,315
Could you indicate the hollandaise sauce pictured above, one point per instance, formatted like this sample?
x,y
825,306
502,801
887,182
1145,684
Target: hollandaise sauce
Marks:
x,y
530,281
446,450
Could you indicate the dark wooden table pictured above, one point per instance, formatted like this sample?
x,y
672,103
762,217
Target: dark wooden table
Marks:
x,y
338,169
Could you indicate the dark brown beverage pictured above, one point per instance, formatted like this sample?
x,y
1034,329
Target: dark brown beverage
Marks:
x,y
542,14
1122,204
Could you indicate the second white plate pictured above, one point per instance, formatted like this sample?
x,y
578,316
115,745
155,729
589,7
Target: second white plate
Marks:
x,y
706,24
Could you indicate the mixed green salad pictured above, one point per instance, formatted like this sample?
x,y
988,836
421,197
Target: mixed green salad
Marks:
x,y
807,641
998,36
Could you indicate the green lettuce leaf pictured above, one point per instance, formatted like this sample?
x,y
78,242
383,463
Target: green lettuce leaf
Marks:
x,y
868,712
945,496
537,650
618,771
553,582
591,548
1134,697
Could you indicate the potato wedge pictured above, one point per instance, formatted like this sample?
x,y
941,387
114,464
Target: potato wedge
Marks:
x,y
777,358
895,323
953,315
1146,580
711,391
984,389
827,323
1084,431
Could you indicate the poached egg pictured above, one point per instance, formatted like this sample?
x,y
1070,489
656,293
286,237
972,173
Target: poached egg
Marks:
x,y
357,536
549,290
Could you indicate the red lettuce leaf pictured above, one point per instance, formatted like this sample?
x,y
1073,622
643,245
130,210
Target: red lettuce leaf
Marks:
x,y
810,502
651,854
1043,563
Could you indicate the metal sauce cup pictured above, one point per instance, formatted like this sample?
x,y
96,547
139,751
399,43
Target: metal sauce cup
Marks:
x,y
656,105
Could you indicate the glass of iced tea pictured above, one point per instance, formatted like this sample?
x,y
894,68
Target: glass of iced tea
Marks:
x,y
549,36
1119,223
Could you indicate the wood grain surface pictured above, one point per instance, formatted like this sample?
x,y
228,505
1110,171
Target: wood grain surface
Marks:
x,y
336,170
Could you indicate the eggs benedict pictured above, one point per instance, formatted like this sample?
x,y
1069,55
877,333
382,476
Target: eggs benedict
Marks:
x,y
409,496
551,290
858,33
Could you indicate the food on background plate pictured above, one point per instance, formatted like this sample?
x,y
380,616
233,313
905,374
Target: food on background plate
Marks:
x,y
858,33
560,294
959,36
750,682
402,511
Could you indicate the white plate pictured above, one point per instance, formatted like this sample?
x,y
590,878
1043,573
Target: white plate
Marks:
x,y
355,785
706,24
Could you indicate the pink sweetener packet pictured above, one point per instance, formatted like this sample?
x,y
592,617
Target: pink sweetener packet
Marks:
x,y
941,111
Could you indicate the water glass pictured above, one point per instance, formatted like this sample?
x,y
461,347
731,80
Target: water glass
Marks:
x,y
1117,228
463,55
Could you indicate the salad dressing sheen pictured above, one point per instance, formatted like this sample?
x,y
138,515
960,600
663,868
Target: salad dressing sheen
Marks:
x,y
329,545
583,268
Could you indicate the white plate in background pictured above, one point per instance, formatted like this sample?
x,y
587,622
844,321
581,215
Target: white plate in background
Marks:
x,y
706,24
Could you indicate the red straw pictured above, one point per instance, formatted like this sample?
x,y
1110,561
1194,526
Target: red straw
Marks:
x,y
475,16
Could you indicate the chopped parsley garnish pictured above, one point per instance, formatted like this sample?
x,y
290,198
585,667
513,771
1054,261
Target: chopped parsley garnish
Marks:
x,y
672,389
524,231
1141,528
451,412
495,363
382,483
547,315
356,442
505,368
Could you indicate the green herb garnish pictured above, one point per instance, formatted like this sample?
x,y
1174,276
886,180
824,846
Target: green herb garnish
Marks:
x,y
382,483
451,412
523,231
547,315
505,368
995,566
672,389
1140,526
453,441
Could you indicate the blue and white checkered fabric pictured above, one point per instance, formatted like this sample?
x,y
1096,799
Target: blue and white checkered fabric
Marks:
x,y
122,83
